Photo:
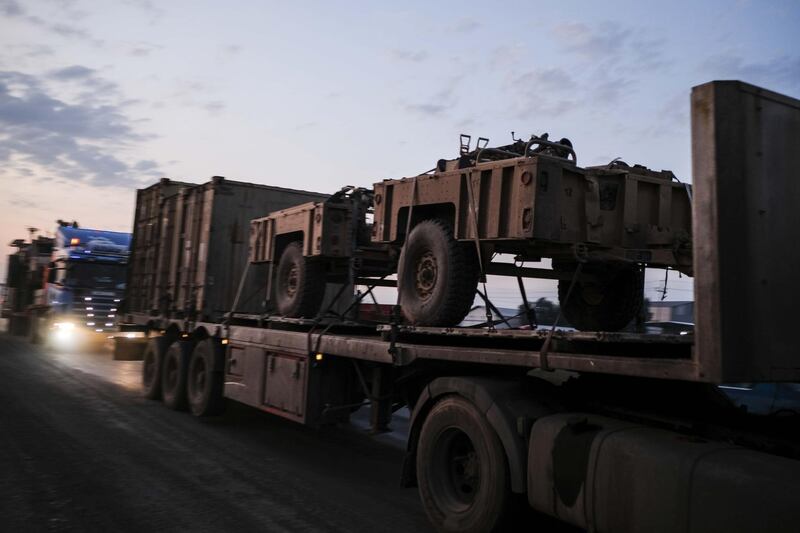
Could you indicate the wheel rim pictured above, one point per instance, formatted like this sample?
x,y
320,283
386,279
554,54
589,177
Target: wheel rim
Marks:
x,y
198,377
592,293
426,272
457,471
291,281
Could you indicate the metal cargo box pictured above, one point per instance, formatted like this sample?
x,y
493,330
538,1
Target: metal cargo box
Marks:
x,y
150,246
196,262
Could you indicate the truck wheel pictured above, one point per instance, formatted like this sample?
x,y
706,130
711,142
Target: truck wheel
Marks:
x,y
206,380
34,335
299,283
608,304
174,374
461,469
437,276
152,364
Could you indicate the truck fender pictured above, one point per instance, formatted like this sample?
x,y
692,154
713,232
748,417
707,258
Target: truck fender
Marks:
x,y
508,406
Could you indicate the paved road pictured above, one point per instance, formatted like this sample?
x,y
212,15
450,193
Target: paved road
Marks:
x,y
81,450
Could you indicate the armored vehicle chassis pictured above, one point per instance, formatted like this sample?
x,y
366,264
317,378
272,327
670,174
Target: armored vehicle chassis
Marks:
x,y
440,231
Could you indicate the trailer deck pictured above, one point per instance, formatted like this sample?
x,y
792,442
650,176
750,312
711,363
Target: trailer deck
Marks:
x,y
667,356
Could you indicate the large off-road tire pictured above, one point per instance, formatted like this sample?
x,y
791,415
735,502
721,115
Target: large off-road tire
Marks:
x,y
152,365
299,283
608,304
461,469
174,374
437,276
206,378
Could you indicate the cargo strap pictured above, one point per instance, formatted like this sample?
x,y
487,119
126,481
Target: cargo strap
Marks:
x,y
530,314
545,349
476,238
314,348
395,316
490,321
226,323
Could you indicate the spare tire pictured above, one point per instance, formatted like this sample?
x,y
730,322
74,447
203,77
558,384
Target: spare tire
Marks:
x,y
299,283
608,303
437,276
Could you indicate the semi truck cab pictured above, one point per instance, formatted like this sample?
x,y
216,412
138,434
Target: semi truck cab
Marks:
x,y
86,280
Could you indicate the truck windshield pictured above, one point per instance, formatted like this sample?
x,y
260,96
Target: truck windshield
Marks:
x,y
96,275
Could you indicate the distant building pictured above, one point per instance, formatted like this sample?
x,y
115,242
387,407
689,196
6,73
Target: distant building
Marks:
x,y
678,311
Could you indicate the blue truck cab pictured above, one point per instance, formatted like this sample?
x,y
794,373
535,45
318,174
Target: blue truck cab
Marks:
x,y
86,279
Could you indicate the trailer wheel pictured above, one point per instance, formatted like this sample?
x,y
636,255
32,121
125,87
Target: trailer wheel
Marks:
x,y
299,283
206,380
174,374
437,276
152,364
608,304
461,469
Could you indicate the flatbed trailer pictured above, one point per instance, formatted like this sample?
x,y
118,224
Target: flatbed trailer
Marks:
x,y
606,431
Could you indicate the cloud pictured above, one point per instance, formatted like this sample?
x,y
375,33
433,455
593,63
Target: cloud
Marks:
x,y
428,109
601,42
214,107
80,141
34,50
73,72
13,9
408,55
545,79
151,9
466,25
17,201
609,44
440,102
143,49
609,60
542,92
671,119
86,77
783,71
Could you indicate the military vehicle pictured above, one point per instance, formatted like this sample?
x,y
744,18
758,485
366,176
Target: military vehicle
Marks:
x,y
441,231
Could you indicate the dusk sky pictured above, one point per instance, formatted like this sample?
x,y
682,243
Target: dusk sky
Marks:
x,y
99,98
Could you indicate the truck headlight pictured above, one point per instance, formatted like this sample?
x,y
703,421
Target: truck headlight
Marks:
x,y
63,330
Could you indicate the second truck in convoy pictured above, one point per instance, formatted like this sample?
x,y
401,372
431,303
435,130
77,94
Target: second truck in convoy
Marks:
x,y
608,431
68,287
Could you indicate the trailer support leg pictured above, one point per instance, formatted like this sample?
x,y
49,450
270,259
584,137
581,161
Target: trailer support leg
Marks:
x,y
381,400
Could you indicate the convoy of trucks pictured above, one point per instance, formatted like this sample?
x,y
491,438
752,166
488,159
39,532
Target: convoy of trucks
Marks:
x,y
69,286
247,293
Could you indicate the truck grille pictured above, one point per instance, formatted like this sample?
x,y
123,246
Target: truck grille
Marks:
x,y
96,312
